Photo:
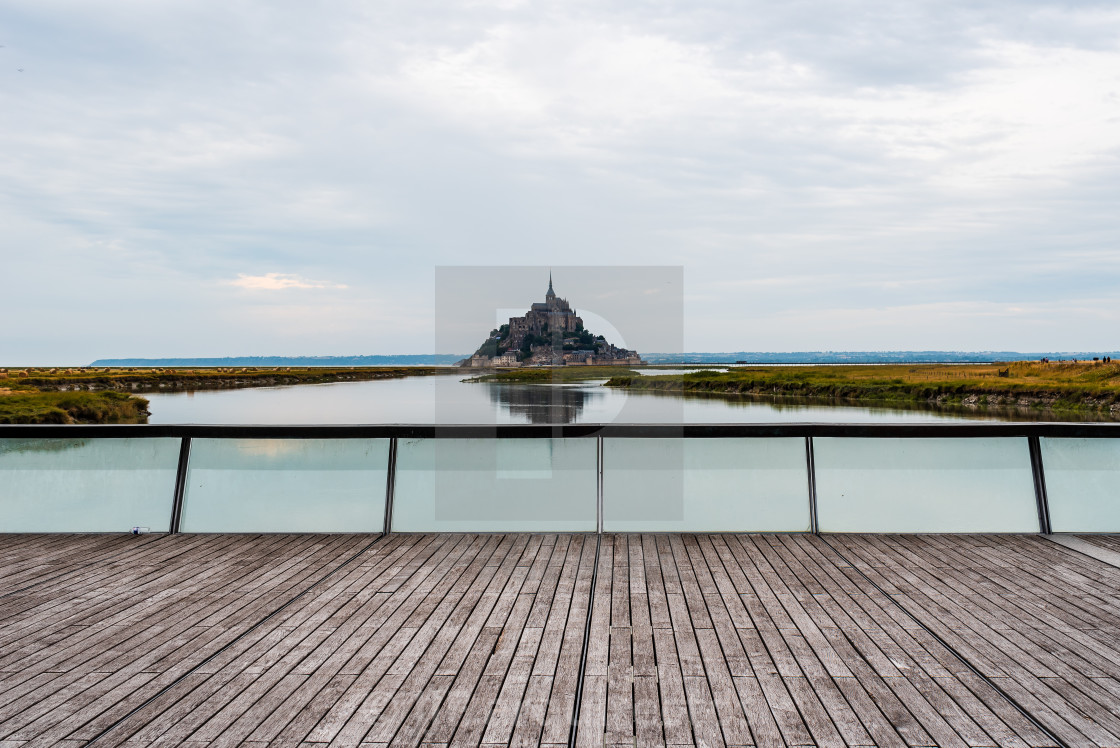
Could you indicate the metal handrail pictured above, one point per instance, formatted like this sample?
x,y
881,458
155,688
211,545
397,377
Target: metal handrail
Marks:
x,y
571,430
1032,432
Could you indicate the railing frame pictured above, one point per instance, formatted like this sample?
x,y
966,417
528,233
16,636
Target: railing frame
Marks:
x,y
390,486
957,430
1039,475
1033,432
180,484
811,472
599,485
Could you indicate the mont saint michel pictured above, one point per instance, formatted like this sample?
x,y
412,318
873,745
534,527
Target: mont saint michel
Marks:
x,y
549,334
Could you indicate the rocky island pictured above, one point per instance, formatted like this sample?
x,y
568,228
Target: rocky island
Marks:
x,y
549,334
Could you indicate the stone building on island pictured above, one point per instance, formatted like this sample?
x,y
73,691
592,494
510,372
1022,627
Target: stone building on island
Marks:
x,y
549,334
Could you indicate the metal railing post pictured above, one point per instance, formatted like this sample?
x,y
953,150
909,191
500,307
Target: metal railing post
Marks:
x,y
1039,485
180,484
811,470
390,485
599,485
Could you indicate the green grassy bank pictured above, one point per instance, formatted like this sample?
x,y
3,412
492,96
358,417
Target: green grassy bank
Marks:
x,y
1083,386
135,378
30,406
104,394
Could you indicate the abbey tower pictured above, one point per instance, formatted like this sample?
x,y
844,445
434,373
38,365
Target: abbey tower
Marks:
x,y
549,334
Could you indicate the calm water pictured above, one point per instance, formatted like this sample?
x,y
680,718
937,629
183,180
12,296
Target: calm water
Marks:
x,y
447,399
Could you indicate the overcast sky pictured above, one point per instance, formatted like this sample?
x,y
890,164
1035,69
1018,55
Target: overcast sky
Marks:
x,y
196,178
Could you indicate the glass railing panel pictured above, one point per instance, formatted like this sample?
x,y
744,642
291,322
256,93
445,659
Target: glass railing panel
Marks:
x,y
286,485
87,485
495,485
705,485
1082,484
925,485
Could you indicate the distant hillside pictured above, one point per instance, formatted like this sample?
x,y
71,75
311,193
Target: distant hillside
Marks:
x,y
332,361
867,357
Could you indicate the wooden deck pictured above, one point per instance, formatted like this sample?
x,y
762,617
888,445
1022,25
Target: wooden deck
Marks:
x,y
705,640
1108,542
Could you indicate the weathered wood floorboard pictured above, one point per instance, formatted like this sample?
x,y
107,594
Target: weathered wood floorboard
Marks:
x,y
24,560
769,640
1109,542
85,653
1040,618
468,640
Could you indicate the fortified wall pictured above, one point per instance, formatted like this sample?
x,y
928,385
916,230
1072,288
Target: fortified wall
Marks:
x,y
549,334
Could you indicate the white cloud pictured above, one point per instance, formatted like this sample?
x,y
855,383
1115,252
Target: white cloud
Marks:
x,y
812,165
279,282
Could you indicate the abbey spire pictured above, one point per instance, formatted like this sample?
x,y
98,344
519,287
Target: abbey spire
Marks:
x,y
549,334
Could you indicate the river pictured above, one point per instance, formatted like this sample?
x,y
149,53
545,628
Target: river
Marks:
x,y
447,399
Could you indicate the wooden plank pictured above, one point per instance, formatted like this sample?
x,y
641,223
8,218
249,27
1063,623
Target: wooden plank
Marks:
x,y
465,682
371,691
462,590
870,674
692,591
816,717
202,700
473,639
619,726
702,712
558,621
674,700
106,654
851,723
99,613
648,726
1059,654
960,618
655,584
725,697
521,658
885,723
531,715
1084,623
87,596
49,559
843,648
561,703
1108,542
764,729
687,648
419,660
469,655
720,600
593,713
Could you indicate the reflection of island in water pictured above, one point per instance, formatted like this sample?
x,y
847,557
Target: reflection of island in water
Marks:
x,y
14,446
542,403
